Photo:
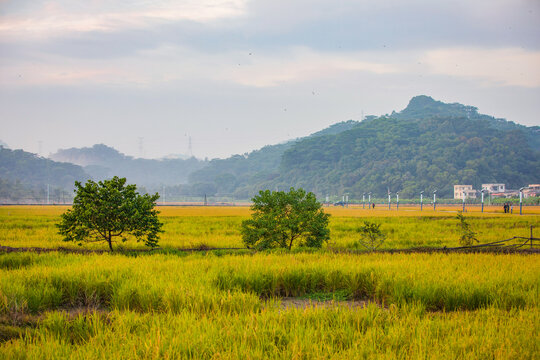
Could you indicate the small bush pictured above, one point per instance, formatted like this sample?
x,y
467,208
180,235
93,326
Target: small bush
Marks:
x,y
372,235
468,237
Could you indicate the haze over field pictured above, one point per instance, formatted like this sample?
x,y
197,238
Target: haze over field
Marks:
x,y
236,75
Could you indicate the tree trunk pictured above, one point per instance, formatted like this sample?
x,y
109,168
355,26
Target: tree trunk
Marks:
x,y
109,240
290,243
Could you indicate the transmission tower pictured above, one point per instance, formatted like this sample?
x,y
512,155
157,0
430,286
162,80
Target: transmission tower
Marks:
x,y
141,147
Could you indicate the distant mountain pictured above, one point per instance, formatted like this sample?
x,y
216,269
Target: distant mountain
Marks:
x,y
26,174
3,144
425,107
429,145
102,162
240,174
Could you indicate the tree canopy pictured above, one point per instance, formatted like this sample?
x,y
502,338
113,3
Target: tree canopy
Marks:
x,y
283,219
110,209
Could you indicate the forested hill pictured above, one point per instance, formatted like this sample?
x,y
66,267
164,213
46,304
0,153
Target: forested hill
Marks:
x,y
425,107
241,174
31,171
103,162
429,145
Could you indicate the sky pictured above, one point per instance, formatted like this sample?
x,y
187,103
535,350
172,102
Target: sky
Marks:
x,y
145,77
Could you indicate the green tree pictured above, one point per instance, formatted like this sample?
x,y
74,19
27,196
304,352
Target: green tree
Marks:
x,y
280,218
108,209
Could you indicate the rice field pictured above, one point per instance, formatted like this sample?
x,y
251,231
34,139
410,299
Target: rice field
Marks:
x,y
233,305
191,227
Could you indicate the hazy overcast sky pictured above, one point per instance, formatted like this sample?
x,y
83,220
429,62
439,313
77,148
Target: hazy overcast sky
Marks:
x,y
236,74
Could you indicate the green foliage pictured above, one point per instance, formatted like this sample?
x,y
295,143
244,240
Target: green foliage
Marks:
x,y
108,209
280,218
411,156
372,236
468,237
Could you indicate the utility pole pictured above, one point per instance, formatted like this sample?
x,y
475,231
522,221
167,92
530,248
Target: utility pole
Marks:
x,y
369,202
521,200
363,200
397,200
389,200
434,200
421,199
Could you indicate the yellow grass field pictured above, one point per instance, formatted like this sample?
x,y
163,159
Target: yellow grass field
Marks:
x,y
194,226
236,305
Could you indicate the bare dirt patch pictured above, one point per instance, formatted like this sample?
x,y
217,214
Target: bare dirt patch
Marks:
x,y
299,303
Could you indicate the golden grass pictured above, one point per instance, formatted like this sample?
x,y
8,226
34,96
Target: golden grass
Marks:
x,y
207,306
193,226
219,305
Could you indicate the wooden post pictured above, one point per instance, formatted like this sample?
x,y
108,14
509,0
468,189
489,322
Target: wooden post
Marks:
x,y
531,236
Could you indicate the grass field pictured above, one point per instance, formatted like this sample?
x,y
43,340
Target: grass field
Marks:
x,y
227,305
189,227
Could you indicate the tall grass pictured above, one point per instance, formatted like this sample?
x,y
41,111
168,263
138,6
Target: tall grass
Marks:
x,y
235,284
312,333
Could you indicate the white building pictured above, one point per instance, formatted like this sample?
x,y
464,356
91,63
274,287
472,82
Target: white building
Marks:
x,y
494,188
532,190
467,190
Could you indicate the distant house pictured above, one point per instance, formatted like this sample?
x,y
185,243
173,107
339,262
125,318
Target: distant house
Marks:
x,y
494,188
467,190
506,194
532,190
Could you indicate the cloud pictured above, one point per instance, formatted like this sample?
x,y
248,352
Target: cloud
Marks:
x,y
499,67
169,63
302,64
59,18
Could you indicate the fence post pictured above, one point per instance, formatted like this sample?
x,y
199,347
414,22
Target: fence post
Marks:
x,y
531,236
